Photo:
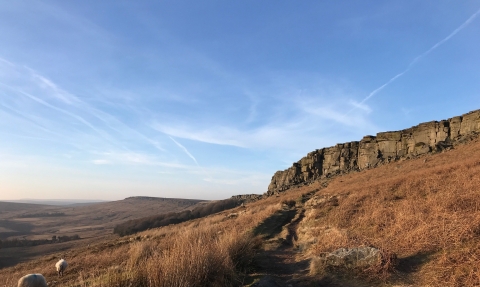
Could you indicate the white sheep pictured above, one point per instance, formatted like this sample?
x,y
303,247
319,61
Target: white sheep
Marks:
x,y
61,266
32,280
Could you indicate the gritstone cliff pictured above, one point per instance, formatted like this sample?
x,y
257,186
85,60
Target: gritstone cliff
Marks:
x,y
372,151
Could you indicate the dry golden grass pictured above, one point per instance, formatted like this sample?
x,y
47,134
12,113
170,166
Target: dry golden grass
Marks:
x,y
425,211
200,257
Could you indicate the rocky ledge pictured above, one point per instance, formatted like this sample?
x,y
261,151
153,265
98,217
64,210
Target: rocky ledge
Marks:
x,y
372,151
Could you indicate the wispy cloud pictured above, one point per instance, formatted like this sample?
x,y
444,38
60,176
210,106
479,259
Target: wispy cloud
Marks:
x,y
119,157
419,57
214,135
294,122
53,89
19,83
333,112
70,114
112,130
30,119
100,161
257,179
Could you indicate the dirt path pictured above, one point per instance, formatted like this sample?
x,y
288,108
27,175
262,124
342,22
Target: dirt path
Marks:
x,y
280,264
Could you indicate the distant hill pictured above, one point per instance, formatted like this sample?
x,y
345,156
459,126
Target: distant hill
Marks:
x,y
164,219
57,201
8,206
40,221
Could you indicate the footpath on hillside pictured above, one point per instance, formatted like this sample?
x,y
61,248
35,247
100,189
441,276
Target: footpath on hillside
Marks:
x,y
280,264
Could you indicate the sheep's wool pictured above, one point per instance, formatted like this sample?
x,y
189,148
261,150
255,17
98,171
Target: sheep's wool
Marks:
x,y
32,280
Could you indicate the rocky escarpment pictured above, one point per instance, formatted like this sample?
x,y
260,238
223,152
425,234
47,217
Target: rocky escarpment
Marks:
x,y
372,151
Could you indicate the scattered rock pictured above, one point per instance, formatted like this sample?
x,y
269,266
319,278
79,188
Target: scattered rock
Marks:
x,y
350,258
322,200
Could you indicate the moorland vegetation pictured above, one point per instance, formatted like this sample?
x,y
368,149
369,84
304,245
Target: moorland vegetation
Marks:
x,y
141,224
35,242
422,214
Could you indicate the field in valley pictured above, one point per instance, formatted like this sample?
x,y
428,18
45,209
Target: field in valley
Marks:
x,y
35,222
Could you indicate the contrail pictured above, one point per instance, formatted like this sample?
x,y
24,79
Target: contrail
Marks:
x,y
25,117
75,101
185,150
79,118
461,27
209,177
72,100
101,115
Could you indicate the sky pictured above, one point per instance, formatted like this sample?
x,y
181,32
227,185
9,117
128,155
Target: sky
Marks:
x,y
207,99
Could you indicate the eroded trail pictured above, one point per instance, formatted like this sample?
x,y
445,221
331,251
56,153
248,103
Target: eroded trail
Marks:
x,y
281,263
280,267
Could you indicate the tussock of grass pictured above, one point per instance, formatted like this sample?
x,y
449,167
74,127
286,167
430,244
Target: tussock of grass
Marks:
x,y
198,258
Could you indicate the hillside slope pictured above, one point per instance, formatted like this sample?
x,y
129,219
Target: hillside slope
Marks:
x,y
424,212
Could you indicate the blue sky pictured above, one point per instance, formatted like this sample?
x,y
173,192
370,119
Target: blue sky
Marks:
x,y
207,99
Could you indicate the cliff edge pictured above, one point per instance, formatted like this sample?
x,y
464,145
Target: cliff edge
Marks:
x,y
372,151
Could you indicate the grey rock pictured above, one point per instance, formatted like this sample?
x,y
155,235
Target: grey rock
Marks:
x,y
359,257
372,151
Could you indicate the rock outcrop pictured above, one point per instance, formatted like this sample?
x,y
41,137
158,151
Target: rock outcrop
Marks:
x,y
372,151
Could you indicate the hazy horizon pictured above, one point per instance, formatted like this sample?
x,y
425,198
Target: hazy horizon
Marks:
x,y
55,199
57,202
208,99
86,200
